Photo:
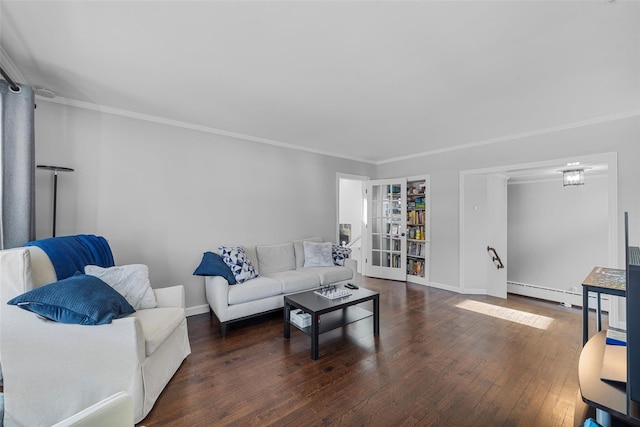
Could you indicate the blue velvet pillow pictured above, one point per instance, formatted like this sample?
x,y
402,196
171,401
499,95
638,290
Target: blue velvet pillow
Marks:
x,y
80,299
213,265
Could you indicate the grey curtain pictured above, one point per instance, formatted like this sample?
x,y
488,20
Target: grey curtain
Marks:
x,y
17,160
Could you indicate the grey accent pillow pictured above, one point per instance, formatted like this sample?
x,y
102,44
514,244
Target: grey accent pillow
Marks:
x,y
317,254
298,248
131,281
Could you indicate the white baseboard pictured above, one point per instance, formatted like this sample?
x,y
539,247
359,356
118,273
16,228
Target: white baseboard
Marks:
x,y
457,289
534,291
198,309
563,296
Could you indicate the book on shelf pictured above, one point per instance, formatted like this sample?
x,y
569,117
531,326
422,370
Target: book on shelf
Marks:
x,y
616,337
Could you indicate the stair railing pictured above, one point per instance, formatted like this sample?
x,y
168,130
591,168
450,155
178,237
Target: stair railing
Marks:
x,y
495,257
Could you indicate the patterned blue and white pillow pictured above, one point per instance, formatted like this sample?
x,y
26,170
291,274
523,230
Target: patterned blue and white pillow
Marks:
x,y
236,259
339,253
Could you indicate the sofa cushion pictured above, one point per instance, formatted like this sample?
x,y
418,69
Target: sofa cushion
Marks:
x,y
236,258
254,289
329,275
131,281
296,280
213,265
298,248
80,299
317,254
158,324
275,258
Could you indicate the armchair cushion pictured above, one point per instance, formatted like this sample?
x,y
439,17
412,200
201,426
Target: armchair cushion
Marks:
x,y
80,299
131,281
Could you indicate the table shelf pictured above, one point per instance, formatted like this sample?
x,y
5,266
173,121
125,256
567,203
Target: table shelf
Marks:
x,y
337,319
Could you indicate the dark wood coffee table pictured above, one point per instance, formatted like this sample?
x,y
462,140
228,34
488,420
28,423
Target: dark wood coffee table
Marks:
x,y
333,313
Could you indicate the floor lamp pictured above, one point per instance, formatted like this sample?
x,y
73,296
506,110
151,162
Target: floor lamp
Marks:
x,y
55,170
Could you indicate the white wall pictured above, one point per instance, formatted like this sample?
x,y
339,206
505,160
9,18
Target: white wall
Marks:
x,y
163,195
621,136
351,205
557,234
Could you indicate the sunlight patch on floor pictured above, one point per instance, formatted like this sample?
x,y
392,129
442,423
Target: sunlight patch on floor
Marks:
x,y
517,316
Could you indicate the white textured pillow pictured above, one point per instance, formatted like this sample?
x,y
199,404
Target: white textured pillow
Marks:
x,y
131,281
317,254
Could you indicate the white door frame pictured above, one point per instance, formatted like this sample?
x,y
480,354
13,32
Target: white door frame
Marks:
x,y
611,158
363,179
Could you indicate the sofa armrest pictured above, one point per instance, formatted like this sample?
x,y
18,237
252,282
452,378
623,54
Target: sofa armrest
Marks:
x,y
173,296
352,264
217,290
74,358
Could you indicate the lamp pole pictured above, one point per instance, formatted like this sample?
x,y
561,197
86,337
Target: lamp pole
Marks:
x,y
55,170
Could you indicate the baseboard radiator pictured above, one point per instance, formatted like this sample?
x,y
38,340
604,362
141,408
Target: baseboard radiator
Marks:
x,y
567,297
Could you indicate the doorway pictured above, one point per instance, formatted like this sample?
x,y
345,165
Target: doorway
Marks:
x,y
351,214
475,263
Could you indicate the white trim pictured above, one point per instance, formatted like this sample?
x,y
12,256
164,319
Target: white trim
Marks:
x,y
555,179
10,67
456,289
198,309
191,126
506,138
215,131
574,298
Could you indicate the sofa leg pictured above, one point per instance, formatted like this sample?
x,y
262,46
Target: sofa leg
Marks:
x,y
223,329
210,311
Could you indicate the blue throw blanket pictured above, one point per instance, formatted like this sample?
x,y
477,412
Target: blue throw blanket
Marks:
x,y
69,254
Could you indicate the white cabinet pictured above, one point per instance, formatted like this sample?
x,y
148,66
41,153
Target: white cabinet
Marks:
x,y
397,229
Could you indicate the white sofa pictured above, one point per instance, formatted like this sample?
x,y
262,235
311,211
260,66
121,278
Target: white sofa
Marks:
x,y
281,269
53,370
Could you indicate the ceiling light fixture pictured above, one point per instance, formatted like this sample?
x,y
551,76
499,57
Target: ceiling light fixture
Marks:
x,y
573,177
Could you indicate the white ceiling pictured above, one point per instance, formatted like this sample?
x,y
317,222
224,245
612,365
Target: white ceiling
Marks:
x,y
364,80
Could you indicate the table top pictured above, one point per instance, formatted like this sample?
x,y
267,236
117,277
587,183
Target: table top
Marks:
x,y
608,395
606,279
316,303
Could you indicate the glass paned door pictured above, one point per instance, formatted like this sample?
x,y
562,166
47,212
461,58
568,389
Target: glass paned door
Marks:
x,y
386,242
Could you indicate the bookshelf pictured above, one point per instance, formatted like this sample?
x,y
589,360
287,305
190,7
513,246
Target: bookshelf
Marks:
x,y
418,230
398,229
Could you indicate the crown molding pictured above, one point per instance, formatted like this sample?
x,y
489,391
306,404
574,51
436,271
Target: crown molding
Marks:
x,y
574,125
237,135
192,126
10,67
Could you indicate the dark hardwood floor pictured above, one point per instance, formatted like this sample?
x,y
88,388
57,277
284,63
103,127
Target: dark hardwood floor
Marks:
x,y
434,364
